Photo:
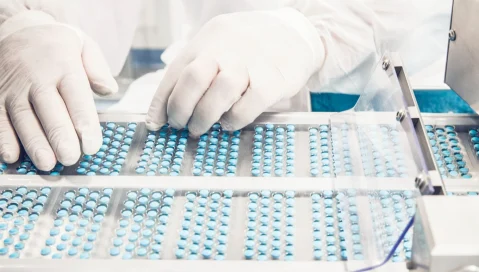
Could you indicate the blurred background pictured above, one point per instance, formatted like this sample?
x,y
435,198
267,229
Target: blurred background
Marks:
x,y
154,35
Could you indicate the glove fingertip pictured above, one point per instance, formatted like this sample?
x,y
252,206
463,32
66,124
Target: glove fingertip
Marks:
x,y
195,132
105,87
89,149
91,141
9,155
44,159
153,120
152,125
227,125
97,69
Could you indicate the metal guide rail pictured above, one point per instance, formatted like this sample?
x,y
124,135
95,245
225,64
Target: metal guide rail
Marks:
x,y
283,188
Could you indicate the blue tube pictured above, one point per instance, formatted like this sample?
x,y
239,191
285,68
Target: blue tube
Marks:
x,y
391,253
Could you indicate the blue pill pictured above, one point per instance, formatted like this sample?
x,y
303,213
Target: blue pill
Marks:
x,y
206,253
21,170
255,172
180,253
258,130
65,237
138,218
3,251
81,170
114,251
182,244
144,242
80,232
72,251
45,251
196,239
61,247
57,256
19,246
54,231
249,254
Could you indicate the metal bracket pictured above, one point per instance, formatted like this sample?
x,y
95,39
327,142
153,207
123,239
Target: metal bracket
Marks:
x,y
418,125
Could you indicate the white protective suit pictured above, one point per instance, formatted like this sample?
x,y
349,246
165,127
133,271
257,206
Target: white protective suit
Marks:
x,y
420,38
236,66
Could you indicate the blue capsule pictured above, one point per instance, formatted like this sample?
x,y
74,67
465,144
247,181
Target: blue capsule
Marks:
x,y
44,252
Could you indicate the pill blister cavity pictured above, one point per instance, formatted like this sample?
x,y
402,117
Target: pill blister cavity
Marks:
x,y
391,211
448,150
21,209
270,226
26,167
163,152
382,153
141,229
323,161
273,151
79,217
217,153
205,225
117,139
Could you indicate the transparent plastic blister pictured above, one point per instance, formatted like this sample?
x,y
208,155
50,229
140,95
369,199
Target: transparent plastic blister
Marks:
x,y
89,222
383,150
454,144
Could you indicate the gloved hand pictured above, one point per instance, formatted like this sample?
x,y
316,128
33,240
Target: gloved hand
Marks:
x,y
47,73
236,67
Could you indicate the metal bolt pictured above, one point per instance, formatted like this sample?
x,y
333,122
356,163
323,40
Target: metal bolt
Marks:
x,y
386,63
422,183
452,35
400,115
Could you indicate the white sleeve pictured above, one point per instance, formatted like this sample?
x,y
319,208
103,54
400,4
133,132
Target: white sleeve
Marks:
x,y
354,34
111,23
10,8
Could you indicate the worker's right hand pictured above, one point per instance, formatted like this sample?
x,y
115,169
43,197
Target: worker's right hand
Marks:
x,y
47,73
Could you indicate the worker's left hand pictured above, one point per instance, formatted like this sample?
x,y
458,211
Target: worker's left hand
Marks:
x,y
236,67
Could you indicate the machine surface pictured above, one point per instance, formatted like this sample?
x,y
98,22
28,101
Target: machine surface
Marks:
x,y
463,54
283,189
292,191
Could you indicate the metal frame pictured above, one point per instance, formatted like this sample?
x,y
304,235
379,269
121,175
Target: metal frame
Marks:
x,y
420,120
462,57
418,127
415,130
177,266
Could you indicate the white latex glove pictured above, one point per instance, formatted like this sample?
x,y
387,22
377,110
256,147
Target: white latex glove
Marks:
x,y
236,67
47,73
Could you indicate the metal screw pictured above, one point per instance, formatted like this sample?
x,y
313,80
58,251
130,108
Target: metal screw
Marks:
x,y
419,181
452,35
386,63
400,115
422,183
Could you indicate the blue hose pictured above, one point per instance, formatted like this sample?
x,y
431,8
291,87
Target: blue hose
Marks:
x,y
391,253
